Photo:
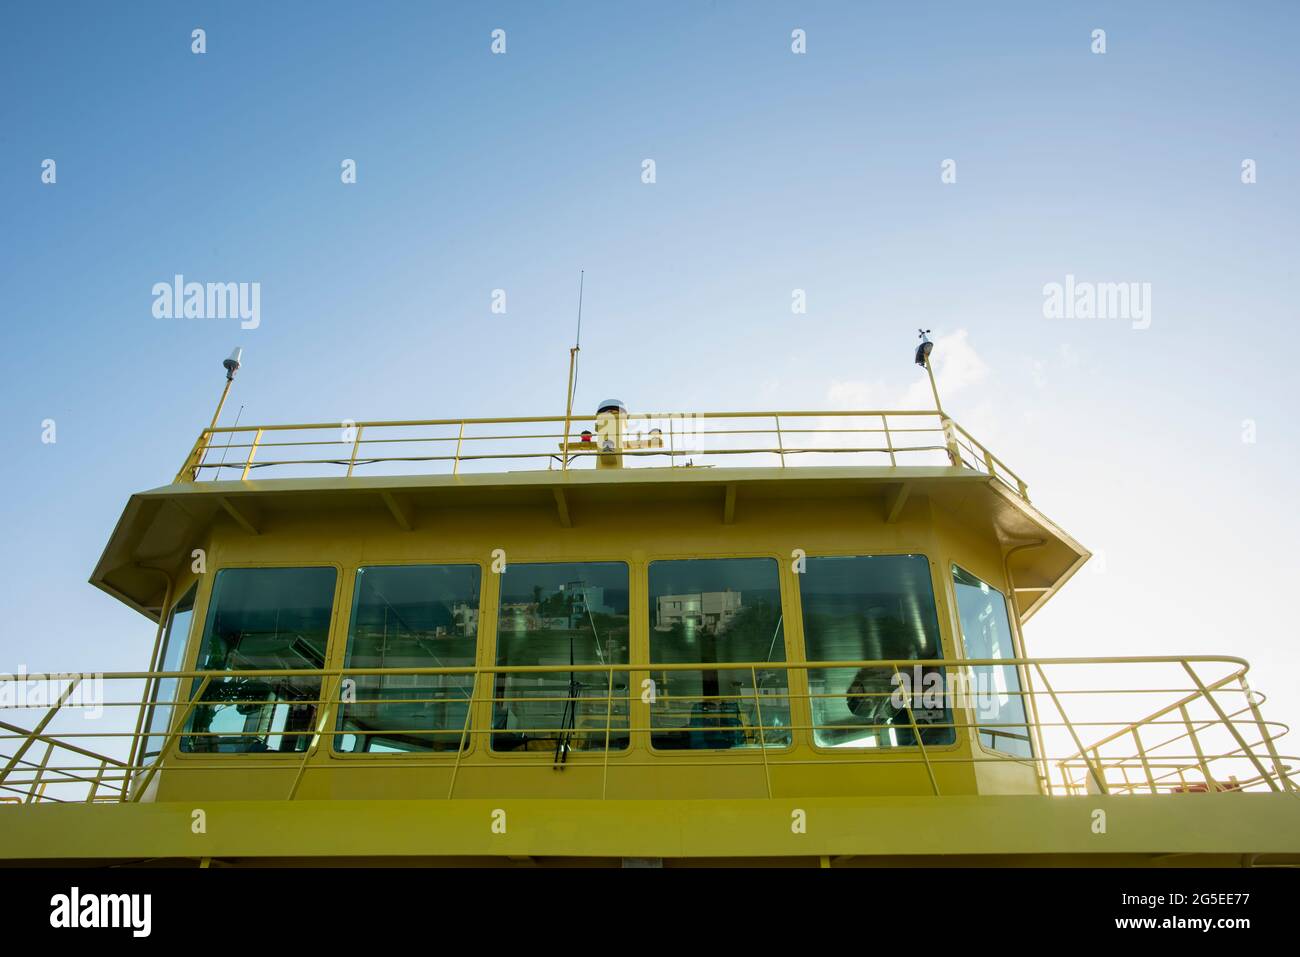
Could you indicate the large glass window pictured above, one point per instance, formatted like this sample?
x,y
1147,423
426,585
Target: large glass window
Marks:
x,y
872,608
410,616
170,657
715,611
561,614
995,696
262,619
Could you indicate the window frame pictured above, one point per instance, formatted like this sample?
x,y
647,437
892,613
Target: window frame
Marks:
x,y
481,722
794,670
1013,629
152,701
196,647
947,645
345,625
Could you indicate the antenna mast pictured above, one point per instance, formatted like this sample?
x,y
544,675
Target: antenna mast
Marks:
x,y
573,369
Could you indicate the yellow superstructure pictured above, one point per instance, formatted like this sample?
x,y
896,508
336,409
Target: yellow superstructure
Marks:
x,y
781,636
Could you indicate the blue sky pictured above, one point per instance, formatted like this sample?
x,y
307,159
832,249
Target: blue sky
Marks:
x,y
775,171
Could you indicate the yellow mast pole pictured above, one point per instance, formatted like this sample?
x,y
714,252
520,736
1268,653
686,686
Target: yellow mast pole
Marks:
x,y
949,439
224,392
568,392
568,409
934,388
232,366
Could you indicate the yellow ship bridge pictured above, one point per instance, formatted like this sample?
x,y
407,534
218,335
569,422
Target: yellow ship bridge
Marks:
x,y
785,637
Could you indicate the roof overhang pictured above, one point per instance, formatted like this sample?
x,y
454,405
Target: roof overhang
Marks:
x,y
157,530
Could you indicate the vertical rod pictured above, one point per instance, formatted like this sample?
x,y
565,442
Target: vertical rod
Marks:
x,y
934,388
762,740
352,460
224,392
1278,768
151,683
916,732
1232,728
172,735
39,729
1142,755
455,469
464,733
568,410
1210,783
252,452
1056,702
609,712
573,365
99,777
36,787
889,440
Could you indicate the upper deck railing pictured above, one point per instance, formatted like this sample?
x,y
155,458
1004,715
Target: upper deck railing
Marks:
x,y
702,439
1160,725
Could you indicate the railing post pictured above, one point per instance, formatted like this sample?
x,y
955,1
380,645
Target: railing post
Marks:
x,y
352,459
322,719
39,729
1142,755
762,740
609,717
1097,777
252,452
916,732
99,777
780,442
950,440
1210,783
190,470
889,439
37,788
455,467
464,732
1232,728
167,742
1278,767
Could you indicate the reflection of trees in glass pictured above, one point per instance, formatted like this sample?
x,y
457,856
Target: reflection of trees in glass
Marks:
x,y
862,636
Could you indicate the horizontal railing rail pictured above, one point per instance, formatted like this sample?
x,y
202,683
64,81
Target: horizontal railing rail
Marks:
x,y
1199,727
698,440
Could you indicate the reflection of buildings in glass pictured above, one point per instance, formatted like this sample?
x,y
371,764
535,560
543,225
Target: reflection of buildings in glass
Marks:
x,y
585,598
464,618
567,608
702,611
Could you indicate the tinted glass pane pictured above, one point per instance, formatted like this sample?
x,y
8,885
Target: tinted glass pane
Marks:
x,y
410,616
170,659
262,619
868,608
996,698
712,611
560,614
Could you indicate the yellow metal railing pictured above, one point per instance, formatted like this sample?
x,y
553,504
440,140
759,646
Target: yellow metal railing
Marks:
x,y
1200,728
879,437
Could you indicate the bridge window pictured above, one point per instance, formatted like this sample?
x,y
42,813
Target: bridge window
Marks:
x,y
718,611
170,658
561,614
410,616
871,608
261,619
986,632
